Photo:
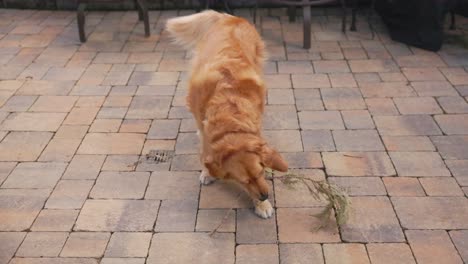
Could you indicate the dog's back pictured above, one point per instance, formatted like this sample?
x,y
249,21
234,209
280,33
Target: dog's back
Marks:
x,y
227,52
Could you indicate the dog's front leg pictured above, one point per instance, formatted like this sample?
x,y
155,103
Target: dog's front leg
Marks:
x,y
205,177
263,208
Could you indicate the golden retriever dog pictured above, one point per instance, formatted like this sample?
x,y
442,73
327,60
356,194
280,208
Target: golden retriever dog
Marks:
x,y
226,97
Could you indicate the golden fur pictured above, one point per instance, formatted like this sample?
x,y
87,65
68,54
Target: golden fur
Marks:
x,y
227,96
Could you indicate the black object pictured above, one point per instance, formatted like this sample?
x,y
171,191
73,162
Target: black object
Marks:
x,y
140,5
306,11
419,23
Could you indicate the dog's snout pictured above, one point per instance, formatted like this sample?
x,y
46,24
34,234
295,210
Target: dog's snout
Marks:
x,y
263,196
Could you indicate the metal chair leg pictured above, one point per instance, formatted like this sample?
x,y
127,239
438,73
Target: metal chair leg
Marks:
x,y
353,15
140,12
143,8
452,23
255,9
343,19
227,8
306,13
292,13
80,16
369,16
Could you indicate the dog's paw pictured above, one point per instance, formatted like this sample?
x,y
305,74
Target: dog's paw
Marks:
x,y
205,178
264,209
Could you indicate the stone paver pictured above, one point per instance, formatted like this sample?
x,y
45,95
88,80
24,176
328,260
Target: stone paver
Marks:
x,y
358,164
207,220
453,124
253,230
441,186
9,243
262,254
19,207
345,253
117,215
313,120
112,143
452,147
384,121
417,105
299,232
126,245
430,246
372,220
360,186
459,169
42,244
177,216
55,220
198,248
33,122
301,253
460,239
390,253
431,212
357,140
342,99
120,185
419,164
403,186
407,125
85,244
32,175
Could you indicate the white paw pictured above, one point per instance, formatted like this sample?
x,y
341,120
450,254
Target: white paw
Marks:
x,y
263,209
205,178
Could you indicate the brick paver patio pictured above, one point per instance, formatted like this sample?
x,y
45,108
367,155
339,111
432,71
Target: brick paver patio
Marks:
x,y
387,122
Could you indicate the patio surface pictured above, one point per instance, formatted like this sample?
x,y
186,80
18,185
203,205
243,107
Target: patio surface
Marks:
x,y
387,122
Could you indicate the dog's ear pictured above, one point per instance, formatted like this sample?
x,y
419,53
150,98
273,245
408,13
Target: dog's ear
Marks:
x,y
272,159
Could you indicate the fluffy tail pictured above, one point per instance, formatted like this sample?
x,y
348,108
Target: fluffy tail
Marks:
x,y
187,30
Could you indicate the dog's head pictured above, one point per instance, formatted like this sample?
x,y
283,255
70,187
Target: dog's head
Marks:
x,y
243,159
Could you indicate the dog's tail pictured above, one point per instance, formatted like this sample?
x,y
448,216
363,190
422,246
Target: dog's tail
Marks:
x,y
187,30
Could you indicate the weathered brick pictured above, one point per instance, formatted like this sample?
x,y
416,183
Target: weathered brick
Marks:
x,y
360,186
201,248
342,99
69,194
295,225
390,253
117,215
357,140
372,220
343,253
120,185
403,186
261,254
301,253
453,124
438,186
358,164
85,244
451,147
128,245
35,175
410,125
431,212
177,216
55,220
430,246
419,164
42,244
